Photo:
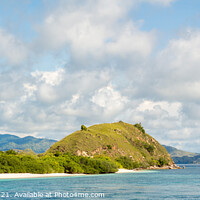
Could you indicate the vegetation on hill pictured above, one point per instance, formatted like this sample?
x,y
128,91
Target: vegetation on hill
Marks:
x,y
97,149
127,144
83,128
139,127
38,145
13,162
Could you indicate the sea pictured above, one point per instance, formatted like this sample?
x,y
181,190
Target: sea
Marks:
x,y
149,184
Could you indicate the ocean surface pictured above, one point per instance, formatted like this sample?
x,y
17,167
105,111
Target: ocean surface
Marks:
x,y
157,184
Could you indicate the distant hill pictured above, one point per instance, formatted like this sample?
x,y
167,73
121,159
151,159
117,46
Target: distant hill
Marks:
x,y
174,152
183,157
113,140
38,145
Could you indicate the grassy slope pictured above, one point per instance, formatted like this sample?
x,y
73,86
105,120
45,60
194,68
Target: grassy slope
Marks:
x,y
124,140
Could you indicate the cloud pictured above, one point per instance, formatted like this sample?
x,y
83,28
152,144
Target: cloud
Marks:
x,y
110,100
110,71
50,78
12,50
95,33
180,62
49,102
29,90
173,80
11,84
172,109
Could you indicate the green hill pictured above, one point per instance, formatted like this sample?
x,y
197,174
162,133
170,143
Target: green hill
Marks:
x,y
38,145
115,140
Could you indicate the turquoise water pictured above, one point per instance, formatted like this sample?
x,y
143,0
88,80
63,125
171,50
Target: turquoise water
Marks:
x,y
158,184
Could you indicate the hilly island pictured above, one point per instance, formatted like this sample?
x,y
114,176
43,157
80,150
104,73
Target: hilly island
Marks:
x,y
102,148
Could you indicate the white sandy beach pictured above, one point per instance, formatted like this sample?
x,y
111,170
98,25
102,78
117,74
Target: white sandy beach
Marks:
x,y
28,175
120,171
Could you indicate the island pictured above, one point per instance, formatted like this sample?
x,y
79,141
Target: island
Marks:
x,y
98,149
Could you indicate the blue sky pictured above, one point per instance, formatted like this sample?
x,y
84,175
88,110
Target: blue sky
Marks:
x,y
170,20
19,17
64,63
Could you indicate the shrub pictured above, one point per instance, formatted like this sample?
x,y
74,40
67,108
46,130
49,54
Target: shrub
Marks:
x,y
57,153
97,165
61,163
11,152
127,162
153,162
37,167
149,147
5,169
72,167
83,128
139,127
162,162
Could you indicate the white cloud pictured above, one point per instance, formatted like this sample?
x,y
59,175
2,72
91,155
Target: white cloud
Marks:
x,y
52,78
8,110
105,48
11,86
47,93
173,109
178,68
130,41
44,105
29,91
110,100
12,50
95,31
186,49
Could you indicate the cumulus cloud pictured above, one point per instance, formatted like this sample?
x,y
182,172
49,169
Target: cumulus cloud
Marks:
x,y
168,91
50,102
172,109
12,50
110,100
174,78
50,78
180,61
113,73
95,32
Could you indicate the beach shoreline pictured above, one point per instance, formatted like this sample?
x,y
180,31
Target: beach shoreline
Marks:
x,y
122,171
28,175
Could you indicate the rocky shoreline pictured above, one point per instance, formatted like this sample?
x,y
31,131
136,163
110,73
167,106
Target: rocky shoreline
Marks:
x,y
165,167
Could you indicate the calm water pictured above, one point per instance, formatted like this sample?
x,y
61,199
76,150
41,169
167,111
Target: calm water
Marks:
x,y
161,184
